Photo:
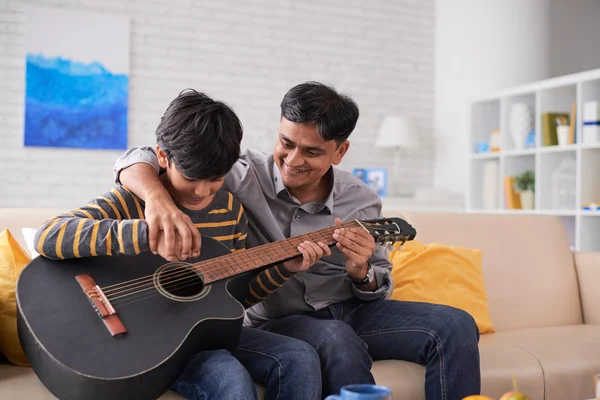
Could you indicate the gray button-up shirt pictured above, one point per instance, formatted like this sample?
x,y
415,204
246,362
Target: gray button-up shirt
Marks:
x,y
274,214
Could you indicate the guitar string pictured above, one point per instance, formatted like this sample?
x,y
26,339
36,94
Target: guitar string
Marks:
x,y
148,295
217,259
152,293
186,274
184,270
243,255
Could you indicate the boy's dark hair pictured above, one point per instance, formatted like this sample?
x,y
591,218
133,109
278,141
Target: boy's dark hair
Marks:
x,y
200,136
334,114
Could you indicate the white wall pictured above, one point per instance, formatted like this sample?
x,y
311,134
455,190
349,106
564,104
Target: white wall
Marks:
x,y
245,53
481,46
574,33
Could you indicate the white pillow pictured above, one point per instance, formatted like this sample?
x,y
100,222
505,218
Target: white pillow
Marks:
x,y
29,235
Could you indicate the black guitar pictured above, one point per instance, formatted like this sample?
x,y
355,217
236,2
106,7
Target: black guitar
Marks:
x,y
124,327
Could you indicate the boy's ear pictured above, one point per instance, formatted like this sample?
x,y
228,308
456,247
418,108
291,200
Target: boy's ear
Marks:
x,y
163,161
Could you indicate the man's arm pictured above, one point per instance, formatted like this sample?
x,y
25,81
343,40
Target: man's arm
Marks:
x,y
137,170
109,225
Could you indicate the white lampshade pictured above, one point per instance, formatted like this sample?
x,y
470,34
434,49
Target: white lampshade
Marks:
x,y
397,131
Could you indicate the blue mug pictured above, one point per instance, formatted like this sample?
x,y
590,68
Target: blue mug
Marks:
x,y
362,392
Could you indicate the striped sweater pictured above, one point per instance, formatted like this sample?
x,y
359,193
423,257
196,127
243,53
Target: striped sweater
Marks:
x,y
114,224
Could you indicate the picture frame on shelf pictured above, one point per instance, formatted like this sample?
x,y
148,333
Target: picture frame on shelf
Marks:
x,y
375,178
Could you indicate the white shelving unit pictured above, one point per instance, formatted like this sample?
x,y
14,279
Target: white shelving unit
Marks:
x,y
551,95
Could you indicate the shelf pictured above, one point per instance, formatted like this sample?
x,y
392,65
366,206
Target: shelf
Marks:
x,y
485,156
517,153
558,149
586,213
582,178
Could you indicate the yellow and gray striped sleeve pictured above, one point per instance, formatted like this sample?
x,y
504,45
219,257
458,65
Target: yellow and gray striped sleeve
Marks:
x,y
265,283
241,231
109,225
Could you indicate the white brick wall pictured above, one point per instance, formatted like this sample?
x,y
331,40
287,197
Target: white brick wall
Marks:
x,y
247,53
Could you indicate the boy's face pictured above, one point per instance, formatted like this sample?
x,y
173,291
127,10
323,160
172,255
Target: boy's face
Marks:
x,y
303,157
193,194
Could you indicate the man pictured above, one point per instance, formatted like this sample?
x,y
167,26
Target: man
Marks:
x,y
198,141
338,306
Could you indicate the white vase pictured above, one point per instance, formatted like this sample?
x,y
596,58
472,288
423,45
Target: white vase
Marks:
x,y
527,199
520,123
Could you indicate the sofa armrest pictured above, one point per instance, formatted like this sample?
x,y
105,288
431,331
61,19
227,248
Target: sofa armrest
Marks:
x,y
588,274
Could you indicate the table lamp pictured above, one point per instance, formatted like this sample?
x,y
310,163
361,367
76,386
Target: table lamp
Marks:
x,y
397,132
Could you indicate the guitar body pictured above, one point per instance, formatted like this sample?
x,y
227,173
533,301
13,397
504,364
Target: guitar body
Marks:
x,y
74,354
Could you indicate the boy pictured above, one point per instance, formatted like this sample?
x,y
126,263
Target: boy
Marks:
x,y
198,141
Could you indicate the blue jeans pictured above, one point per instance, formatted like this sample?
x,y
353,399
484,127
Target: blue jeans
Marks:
x,y
288,369
349,336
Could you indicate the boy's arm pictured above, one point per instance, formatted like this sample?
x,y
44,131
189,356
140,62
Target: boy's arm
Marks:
x,y
265,283
109,225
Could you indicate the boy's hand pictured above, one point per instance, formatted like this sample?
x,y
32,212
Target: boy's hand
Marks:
x,y
170,228
311,253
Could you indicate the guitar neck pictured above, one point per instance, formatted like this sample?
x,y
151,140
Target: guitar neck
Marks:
x,y
269,254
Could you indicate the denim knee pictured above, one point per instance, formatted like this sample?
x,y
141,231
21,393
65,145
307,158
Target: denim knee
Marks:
x,y
459,325
215,374
338,342
300,363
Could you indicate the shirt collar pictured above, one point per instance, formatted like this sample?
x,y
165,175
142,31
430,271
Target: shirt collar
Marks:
x,y
281,189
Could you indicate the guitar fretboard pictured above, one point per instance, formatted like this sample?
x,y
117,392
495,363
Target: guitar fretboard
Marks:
x,y
273,253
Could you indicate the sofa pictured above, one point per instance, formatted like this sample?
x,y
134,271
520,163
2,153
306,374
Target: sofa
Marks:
x,y
543,299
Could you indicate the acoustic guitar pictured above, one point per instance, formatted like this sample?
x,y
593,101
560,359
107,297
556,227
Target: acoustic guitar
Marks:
x,y
124,327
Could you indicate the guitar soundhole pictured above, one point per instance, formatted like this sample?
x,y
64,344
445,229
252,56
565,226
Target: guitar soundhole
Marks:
x,y
179,281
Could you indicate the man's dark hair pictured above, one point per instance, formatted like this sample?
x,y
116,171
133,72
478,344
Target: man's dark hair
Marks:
x,y
333,113
200,136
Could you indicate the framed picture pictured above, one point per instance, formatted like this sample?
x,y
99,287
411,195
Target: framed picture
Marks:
x,y
375,178
77,79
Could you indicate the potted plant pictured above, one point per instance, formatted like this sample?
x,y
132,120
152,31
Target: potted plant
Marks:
x,y
525,186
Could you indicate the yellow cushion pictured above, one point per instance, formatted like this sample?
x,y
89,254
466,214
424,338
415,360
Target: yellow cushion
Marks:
x,y
12,260
441,274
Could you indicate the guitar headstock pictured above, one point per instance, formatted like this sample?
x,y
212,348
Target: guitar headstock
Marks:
x,y
389,230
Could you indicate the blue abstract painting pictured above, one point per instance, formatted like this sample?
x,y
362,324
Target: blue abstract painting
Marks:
x,y
76,80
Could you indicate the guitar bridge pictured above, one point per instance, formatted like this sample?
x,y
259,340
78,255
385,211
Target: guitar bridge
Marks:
x,y
101,304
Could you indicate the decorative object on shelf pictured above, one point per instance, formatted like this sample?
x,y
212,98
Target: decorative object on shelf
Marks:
x,y
495,140
591,132
564,185
549,125
490,185
77,87
591,206
530,140
376,178
520,123
482,146
512,200
572,123
397,132
525,184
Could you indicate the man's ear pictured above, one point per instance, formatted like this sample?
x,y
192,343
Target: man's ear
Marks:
x,y
163,161
340,152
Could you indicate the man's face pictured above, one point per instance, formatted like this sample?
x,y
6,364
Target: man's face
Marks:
x,y
303,157
193,194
